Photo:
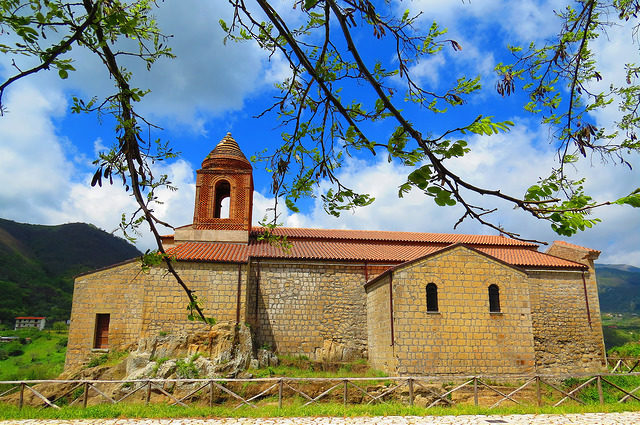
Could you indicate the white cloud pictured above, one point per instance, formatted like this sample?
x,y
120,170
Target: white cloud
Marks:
x,y
208,78
103,206
33,166
40,185
522,20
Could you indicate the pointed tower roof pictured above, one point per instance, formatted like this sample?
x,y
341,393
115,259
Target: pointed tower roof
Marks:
x,y
226,154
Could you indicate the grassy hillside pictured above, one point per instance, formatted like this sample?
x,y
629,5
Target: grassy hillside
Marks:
x,y
35,355
37,265
618,288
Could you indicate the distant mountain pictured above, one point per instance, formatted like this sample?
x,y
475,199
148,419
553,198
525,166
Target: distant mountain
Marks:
x,y
37,265
618,288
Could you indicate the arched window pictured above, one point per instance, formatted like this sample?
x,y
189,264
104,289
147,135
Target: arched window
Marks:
x,y
222,193
494,299
432,297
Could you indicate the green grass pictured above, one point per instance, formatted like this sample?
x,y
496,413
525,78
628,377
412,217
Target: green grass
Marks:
x,y
302,367
296,409
43,358
630,349
610,394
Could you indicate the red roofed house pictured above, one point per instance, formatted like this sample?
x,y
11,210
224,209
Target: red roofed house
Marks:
x,y
412,303
30,322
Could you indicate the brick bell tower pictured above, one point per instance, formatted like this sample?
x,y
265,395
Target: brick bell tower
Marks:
x,y
224,197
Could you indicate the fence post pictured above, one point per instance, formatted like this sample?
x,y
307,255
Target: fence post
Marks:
x,y
210,393
475,390
280,393
85,395
344,393
538,391
148,391
21,403
411,392
600,395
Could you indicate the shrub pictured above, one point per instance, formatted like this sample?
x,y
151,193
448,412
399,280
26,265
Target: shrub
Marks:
x,y
186,369
77,392
16,352
59,326
98,360
62,343
630,349
3,354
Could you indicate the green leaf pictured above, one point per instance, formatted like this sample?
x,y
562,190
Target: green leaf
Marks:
x,y
63,74
633,200
310,4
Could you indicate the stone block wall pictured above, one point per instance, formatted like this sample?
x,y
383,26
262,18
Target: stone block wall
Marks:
x,y
567,338
312,309
379,326
143,304
117,291
463,336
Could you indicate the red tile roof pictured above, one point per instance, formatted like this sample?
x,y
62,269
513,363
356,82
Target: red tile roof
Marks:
x,y
576,246
367,246
29,318
344,251
528,258
206,251
381,235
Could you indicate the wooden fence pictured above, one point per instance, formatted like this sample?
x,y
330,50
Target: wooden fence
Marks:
x,y
437,390
623,364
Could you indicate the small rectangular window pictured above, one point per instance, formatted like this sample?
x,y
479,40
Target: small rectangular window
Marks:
x,y
494,299
432,298
101,339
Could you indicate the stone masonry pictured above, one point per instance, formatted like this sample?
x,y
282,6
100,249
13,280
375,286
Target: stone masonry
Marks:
x,y
317,309
338,295
462,336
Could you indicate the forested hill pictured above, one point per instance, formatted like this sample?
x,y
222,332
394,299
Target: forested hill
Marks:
x,y
37,265
618,288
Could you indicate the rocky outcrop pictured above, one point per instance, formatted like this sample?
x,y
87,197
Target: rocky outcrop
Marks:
x,y
226,350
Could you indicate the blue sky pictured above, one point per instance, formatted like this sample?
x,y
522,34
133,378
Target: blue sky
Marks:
x,y
212,88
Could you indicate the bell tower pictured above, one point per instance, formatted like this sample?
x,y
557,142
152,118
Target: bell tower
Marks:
x,y
224,197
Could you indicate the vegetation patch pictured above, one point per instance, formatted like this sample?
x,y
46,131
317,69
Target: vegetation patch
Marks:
x,y
293,409
34,355
630,349
302,367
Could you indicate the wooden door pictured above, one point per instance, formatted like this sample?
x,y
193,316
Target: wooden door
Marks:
x,y
102,331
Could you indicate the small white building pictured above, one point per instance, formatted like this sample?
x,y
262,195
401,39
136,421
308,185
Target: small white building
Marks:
x,y
30,322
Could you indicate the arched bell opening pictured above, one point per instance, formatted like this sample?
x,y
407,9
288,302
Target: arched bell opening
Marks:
x,y
222,203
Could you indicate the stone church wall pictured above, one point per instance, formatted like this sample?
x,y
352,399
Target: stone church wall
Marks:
x,y
143,304
313,309
565,340
379,326
117,291
463,336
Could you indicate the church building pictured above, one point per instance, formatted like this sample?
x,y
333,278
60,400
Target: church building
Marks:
x,y
411,303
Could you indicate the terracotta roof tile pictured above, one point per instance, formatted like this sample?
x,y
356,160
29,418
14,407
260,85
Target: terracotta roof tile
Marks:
x,y
576,246
528,258
361,251
381,235
206,251
344,250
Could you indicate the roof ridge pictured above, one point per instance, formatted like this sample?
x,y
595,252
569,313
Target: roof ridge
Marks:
x,y
397,235
576,246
